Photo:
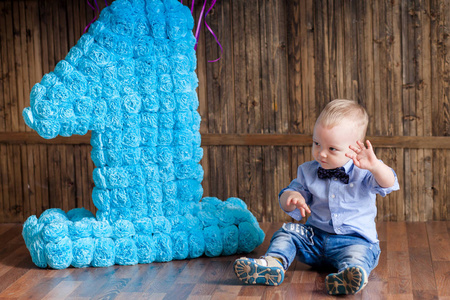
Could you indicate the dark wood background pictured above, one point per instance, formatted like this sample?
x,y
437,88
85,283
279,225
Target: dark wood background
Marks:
x,y
282,62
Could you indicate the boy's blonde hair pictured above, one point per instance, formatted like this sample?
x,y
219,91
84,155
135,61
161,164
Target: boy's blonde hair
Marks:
x,y
344,110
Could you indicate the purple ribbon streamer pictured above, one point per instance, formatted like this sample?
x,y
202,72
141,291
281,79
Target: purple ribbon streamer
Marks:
x,y
212,32
96,10
199,25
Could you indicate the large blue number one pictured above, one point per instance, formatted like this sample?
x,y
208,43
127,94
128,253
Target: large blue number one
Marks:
x,y
131,81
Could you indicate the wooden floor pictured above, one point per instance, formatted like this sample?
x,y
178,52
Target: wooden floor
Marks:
x,y
414,264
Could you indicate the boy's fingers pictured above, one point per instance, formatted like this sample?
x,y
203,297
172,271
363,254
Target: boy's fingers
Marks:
x,y
302,212
354,149
350,155
298,203
306,208
292,201
369,144
289,201
361,144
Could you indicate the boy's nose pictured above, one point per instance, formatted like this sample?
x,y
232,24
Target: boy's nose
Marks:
x,y
322,153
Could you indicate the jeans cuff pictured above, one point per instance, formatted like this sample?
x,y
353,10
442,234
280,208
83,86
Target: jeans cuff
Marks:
x,y
285,264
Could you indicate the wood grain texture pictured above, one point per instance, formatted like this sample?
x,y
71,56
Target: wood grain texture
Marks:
x,y
282,62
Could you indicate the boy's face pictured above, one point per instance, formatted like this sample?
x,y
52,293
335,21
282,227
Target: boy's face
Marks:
x,y
330,144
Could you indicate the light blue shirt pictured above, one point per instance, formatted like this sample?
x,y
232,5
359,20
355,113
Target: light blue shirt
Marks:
x,y
337,207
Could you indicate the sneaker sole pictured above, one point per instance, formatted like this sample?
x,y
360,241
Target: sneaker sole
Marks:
x,y
252,273
348,281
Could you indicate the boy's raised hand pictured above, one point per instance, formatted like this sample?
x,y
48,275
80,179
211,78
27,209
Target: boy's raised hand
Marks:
x,y
363,157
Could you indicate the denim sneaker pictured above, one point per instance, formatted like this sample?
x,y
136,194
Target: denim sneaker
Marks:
x,y
266,270
348,281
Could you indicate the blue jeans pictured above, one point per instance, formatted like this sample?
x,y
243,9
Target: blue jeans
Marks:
x,y
321,249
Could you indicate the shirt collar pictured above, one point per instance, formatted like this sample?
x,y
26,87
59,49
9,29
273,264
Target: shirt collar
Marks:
x,y
348,166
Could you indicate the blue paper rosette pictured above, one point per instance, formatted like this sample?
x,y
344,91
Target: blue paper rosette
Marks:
x,y
131,81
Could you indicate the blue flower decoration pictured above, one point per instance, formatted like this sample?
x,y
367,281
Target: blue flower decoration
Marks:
x,y
131,81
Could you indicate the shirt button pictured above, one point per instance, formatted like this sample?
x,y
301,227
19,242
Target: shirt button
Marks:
x,y
333,196
335,179
351,184
335,215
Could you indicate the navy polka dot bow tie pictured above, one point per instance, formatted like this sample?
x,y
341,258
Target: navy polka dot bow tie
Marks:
x,y
338,173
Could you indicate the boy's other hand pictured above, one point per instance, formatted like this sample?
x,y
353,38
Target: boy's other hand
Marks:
x,y
292,200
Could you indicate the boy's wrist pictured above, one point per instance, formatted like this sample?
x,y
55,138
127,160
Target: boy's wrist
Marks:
x,y
378,166
383,175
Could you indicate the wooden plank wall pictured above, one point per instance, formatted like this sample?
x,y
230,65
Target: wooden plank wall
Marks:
x,y
282,61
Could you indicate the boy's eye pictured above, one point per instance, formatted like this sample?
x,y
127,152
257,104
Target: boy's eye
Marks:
x,y
332,149
316,143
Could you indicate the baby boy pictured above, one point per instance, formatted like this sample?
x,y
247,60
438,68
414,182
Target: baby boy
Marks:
x,y
338,188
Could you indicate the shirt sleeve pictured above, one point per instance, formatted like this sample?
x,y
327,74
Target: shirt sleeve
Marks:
x,y
296,185
377,189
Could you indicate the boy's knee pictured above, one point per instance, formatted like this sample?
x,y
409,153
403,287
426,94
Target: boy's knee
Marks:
x,y
359,255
